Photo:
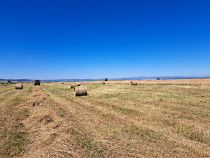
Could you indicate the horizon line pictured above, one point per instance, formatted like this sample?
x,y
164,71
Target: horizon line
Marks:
x,y
115,78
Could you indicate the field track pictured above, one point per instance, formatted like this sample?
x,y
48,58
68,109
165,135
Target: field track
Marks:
x,y
165,118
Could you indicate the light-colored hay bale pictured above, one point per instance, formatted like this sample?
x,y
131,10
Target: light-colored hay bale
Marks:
x,y
19,86
5,84
77,84
81,90
134,83
73,85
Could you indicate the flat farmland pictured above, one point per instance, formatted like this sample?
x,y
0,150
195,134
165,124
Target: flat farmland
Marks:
x,y
156,118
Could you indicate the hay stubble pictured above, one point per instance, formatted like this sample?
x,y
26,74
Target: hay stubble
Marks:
x,y
156,118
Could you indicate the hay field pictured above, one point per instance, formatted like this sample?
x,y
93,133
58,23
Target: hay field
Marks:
x,y
156,118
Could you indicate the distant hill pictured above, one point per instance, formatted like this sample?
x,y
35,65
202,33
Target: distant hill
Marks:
x,y
125,78
133,78
20,80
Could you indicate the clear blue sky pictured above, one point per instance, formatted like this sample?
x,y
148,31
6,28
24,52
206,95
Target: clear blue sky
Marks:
x,y
57,39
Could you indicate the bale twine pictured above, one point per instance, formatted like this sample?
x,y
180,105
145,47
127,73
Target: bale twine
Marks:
x,y
19,86
134,83
81,90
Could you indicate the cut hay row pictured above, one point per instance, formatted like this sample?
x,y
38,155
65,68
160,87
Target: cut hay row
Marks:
x,y
13,135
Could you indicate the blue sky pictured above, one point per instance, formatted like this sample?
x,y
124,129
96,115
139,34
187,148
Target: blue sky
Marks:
x,y
59,39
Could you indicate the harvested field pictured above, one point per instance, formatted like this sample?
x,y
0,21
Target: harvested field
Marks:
x,y
156,118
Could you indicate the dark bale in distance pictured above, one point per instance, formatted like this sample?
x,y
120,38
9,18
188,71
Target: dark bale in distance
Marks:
x,y
37,82
134,83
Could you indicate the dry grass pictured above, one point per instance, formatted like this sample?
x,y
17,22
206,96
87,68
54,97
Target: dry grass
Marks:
x,y
13,137
156,118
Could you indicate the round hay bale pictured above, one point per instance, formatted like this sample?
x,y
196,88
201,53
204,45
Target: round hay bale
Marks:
x,y
102,82
5,84
62,83
134,83
19,86
73,85
77,84
81,90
